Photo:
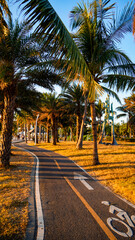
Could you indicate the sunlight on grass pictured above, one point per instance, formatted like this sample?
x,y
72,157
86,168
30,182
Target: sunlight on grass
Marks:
x,y
117,164
14,193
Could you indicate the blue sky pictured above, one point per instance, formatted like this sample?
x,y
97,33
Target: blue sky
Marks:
x,y
63,8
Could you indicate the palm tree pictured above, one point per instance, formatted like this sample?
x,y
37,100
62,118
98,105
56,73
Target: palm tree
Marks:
x,y
80,139
100,109
95,50
51,107
27,104
13,52
28,99
51,30
19,64
97,43
73,97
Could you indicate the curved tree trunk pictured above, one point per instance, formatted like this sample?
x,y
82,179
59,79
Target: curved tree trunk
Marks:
x,y
7,124
80,140
94,132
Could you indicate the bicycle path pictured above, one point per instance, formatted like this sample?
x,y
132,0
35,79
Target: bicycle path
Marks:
x,y
76,206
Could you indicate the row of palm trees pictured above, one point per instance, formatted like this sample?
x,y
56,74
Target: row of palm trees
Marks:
x,y
90,55
63,111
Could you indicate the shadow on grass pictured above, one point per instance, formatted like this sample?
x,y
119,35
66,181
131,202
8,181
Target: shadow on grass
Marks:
x,y
91,154
105,168
114,178
112,163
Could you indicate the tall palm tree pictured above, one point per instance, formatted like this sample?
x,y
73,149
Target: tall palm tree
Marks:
x,y
13,53
19,62
50,29
94,50
97,40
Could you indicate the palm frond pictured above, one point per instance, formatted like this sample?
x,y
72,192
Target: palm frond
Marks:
x,y
103,9
112,93
127,69
50,27
122,24
119,81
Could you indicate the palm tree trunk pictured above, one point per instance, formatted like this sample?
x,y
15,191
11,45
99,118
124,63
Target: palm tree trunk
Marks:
x,y
7,125
53,129
36,133
130,131
65,134
56,131
47,137
77,128
80,140
25,129
28,130
39,132
100,126
71,134
94,132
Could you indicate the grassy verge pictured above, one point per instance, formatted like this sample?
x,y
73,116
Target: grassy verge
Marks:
x,y
117,168
14,193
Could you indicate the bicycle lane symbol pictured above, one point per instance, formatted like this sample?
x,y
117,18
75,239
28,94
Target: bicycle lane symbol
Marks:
x,y
122,216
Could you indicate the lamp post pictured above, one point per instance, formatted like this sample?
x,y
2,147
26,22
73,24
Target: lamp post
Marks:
x,y
36,138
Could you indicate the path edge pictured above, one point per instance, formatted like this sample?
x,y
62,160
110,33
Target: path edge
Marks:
x,y
32,221
31,229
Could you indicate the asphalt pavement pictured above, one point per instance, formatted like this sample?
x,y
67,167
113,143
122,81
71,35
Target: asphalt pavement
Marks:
x,y
77,207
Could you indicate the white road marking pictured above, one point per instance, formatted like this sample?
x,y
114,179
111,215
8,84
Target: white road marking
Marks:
x,y
124,200
105,203
40,219
82,179
133,218
121,214
129,232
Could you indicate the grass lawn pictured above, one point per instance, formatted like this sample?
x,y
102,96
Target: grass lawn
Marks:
x,y
117,168
14,193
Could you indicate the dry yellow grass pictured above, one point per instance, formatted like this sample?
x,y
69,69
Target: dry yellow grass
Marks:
x,y
14,193
117,168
